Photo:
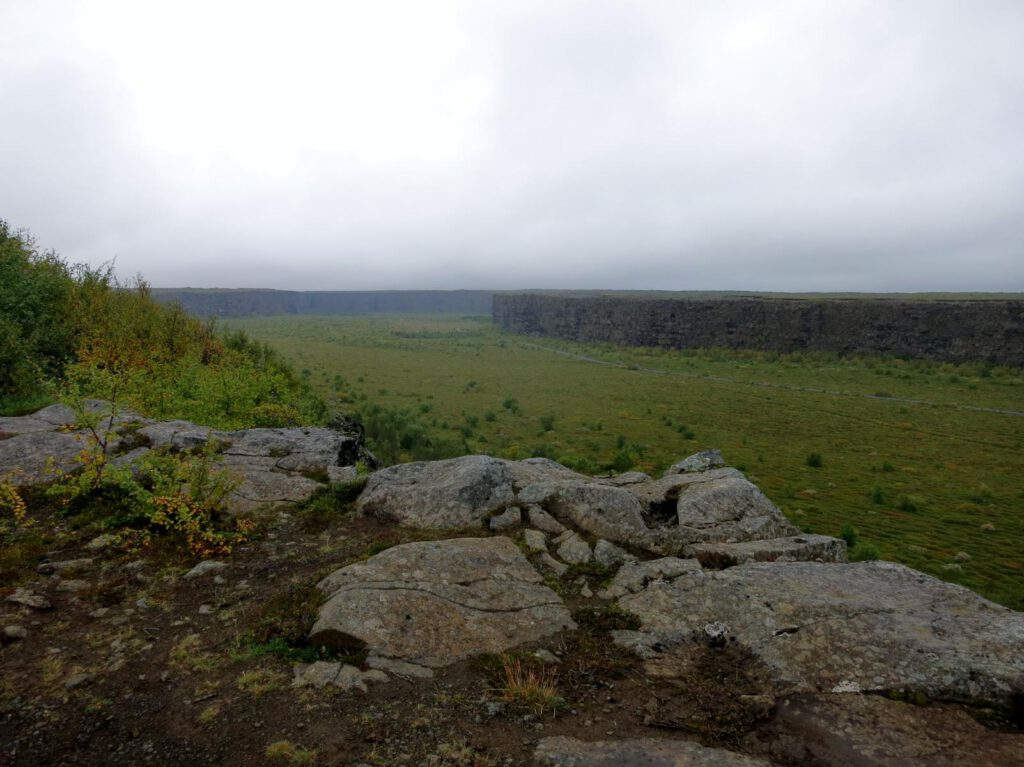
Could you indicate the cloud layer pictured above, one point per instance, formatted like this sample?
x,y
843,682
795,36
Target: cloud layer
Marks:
x,y
849,145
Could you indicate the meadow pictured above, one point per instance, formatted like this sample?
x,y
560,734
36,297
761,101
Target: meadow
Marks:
x,y
921,461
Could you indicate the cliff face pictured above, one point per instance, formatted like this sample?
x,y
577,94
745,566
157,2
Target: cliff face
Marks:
x,y
244,303
954,331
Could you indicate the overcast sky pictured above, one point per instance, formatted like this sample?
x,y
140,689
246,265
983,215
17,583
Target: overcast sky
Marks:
x,y
779,145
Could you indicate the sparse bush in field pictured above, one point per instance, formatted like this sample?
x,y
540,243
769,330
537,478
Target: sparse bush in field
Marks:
x,y
490,416
865,552
877,494
547,422
849,534
909,504
814,460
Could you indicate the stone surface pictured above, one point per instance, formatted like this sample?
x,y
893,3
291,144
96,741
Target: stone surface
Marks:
x,y
508,519
435,602
205,567
872,731
641,752
548,562
336,475
15,632
633,577
37,457
300,449
535,540
399,668
261,489
543,521
870,626
698,462
798,548
63,566
320,674
28,598
574,550
452,494
609,555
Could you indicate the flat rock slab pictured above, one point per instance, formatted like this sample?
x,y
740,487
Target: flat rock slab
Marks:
x,y
261,489
871,626
436,602
36,457
795,548
302,449
873,731
641,752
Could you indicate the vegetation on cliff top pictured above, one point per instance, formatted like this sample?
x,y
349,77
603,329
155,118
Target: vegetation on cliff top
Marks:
x,y
68,331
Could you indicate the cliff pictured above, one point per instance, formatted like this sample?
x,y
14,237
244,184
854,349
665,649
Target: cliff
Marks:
x,y
954,331
244,302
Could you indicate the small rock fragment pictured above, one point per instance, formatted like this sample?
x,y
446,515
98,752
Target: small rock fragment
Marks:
x,y
508,519
67,565
204,567
29,598
399,668
550,563
535,540
542,520
15,632
608,554
101,542
574,549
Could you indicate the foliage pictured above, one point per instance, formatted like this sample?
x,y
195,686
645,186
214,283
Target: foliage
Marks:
x,y
529,686
849,534
814,460
176,497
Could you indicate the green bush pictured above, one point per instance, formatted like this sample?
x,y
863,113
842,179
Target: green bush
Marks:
x,y
814,460
849,534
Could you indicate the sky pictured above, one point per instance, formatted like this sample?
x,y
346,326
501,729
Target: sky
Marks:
x,y
848,145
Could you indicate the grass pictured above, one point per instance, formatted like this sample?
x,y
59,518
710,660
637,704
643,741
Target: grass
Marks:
x,y
919,476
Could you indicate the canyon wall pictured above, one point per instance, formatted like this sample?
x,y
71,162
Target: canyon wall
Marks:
x,y
954,331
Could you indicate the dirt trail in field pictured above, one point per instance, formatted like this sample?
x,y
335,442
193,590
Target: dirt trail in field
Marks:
x,y
768,385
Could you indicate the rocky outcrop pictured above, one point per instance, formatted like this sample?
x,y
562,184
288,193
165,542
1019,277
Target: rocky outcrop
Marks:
x,y
954,331
271,467
569,752
842,628
433,603
667,516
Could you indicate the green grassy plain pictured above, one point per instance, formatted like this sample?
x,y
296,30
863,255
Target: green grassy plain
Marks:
x,y
904,459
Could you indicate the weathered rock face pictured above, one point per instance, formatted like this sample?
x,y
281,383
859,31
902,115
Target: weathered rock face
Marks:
x,y
434,603
665,516
273,467
797,548
845,628
956,331
873,731
640,752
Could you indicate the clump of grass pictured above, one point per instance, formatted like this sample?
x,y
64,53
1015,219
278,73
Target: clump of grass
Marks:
x,y
849,534
814,460
187,655
608,618
529,687
877,494
285,750
865,552
909,504
329,504
458,754
259,681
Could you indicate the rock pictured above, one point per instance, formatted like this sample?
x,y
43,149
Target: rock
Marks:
x,y
585,591
28,598
72,585
100,542
543,521
640,752
299,449
546,656
574,550
633,577
35,458
608,554
799,548
451,494
548,562
435,602
77,680
63,566
508,519
320,673
203,568
627,478
872,731
14,632
399,668
871,626
340,474
698,462
535,540
262,489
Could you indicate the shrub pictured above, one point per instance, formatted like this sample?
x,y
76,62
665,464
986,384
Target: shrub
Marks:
x,y
865,552
547,422
878,494
814,460
849,534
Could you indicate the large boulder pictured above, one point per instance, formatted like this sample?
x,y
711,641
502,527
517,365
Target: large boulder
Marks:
x,y
452,494
302,449
638,752
844,628
35,457
436,602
